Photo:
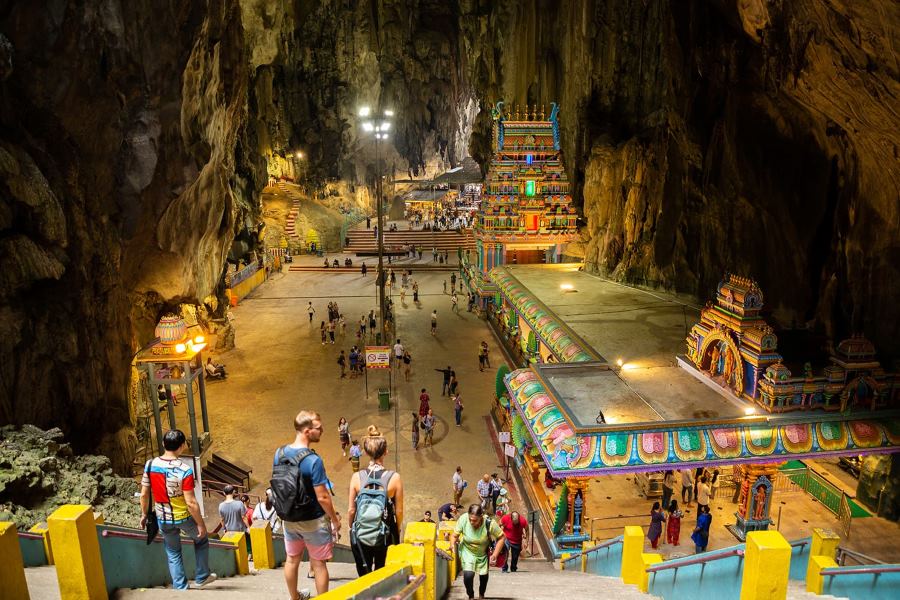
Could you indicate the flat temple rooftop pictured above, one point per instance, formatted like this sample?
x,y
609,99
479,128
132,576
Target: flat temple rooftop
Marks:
x,y
643,329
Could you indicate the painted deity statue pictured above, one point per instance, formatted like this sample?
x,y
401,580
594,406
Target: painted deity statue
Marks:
x,y
759,501
714,361
728,371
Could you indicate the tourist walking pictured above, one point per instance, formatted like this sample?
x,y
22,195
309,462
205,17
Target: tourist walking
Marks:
x,y
307,512
398,353
457,409
445,286
514,528
496,486
355,452
407,364
657,518
481,356
362,327
453,383
231,513
459,484
424,403
701,531
687,486
375,508
487,354
415,289
265,511
445,387
168,483
344,435
703,491
416,424
363,269
372,322
329,327
483,487
454,302
342,361
473,537
714,483
668,487
428,422
323,332
434,322
673,525
311,311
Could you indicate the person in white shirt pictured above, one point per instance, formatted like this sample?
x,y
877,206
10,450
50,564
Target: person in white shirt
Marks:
x,y
265,511
398,353
703,491
687,486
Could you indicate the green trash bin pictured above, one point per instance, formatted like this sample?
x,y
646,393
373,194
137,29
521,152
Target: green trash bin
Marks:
x,y
384,399
377,338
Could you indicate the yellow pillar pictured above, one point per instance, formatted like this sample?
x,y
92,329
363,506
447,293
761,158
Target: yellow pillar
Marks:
x,y
424,534
767,565
585,546
448,548
76,551
44,531
632,548
648,560
815,583
414,556
239,541
562,560
261,540
824,543
99,519
12,568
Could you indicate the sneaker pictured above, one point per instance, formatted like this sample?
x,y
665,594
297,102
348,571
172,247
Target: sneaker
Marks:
x,y
201,584
303,594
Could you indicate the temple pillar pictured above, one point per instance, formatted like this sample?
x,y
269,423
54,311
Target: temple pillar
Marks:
x,y
578,488
498,255
755,490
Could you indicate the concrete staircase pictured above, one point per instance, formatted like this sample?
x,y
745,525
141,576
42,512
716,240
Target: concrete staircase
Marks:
x,y
797,591
363,242
540,580
290,191
265,585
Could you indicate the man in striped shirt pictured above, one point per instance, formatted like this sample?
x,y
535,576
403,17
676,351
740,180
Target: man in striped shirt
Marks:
x,y
171,481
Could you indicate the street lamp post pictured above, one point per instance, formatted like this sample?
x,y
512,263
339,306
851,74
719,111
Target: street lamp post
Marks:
x,y
379,125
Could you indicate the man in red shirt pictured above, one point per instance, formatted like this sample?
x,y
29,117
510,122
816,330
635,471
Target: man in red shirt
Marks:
x,y
514,527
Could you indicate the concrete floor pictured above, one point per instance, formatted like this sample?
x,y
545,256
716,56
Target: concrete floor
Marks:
x,y
279,367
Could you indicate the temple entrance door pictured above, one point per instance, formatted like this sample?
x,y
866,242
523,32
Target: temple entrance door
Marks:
x,y
525,257
531,222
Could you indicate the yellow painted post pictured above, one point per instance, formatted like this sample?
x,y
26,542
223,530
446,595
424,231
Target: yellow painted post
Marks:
x,y
414,556
815,583
42,529
99,519
824,543
263,549
562,560
648,560
585,546
12,568
424,534
767,565
239,540
632,548
76,552
448,548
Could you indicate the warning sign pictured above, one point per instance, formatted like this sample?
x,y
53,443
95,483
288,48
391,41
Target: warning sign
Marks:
x,y
378,357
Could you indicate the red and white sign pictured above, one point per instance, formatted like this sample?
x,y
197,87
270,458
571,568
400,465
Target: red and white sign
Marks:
x,y
378,357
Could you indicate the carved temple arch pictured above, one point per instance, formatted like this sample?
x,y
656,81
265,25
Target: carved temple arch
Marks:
x,y
716,336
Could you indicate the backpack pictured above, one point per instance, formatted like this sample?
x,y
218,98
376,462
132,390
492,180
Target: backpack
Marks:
x,y
370,526
293,498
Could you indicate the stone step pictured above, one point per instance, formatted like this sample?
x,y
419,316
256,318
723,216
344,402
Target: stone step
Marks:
x,y
264,585
797,591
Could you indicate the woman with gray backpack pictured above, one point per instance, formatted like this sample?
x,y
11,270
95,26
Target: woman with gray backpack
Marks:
x,y
376,507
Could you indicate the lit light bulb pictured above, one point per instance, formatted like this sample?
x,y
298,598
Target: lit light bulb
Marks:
x,y
389,113
619,362
749,411
299,155
364,111
180,348
368,126
199,339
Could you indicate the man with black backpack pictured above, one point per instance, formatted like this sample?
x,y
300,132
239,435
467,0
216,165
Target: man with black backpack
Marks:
x,y
302,500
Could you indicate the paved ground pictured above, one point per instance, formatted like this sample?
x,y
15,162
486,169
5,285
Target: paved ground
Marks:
x,y
279,367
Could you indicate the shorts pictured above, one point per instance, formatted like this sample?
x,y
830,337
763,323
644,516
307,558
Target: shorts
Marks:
x,y
314,536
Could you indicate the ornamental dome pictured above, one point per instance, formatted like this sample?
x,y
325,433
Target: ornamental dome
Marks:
x,y
856,348
171,330
778,372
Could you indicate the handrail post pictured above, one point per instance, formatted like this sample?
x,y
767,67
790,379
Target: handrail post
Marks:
x,y
238,539
261,542
76,550
12,567
767,563
815,581
648,561
632,548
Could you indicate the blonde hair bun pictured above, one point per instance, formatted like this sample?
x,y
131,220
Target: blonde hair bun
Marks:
x,y
373,431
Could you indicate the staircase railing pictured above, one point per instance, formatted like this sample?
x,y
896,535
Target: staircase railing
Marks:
x,y
861,559
872,582
407,592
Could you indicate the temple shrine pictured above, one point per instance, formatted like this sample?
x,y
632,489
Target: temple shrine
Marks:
x,y
526,213
733,346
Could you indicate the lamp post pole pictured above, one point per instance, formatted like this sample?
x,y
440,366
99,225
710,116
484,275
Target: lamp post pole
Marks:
x,y
379,207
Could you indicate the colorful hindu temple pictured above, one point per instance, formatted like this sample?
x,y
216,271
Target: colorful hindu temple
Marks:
x,y
585,416
526,213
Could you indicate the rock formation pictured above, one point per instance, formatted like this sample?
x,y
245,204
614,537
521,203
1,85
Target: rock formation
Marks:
x,y
756,136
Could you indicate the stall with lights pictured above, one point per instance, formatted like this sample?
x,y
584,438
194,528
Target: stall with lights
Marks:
x,y
174,358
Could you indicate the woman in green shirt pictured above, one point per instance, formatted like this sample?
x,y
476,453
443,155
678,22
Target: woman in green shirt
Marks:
x,y
474,534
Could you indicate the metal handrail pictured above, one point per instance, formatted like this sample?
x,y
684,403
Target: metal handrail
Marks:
x,y
694,561
442,554
30,536
408,590
600,546
832,571
799,543
858,556
158,539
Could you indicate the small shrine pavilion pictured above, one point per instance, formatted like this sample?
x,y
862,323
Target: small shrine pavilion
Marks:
x,y
526,213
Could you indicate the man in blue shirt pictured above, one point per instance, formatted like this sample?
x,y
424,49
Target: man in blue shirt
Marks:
x,y
317,534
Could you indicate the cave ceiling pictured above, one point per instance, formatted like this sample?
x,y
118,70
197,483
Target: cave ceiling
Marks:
x,y
753,136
